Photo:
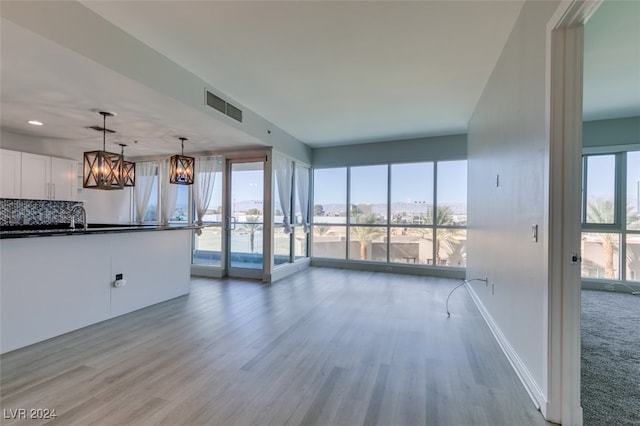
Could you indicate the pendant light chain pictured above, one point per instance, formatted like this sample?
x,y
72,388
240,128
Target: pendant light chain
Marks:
x,y
104,131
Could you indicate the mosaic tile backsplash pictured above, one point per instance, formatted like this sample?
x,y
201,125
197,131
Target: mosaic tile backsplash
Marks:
x,y
36,212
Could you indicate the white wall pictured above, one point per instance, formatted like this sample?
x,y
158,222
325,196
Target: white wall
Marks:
x,y
507,138
453,147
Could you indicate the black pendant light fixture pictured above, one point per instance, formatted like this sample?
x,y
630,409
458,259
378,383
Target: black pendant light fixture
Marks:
x,y
102,169
128,169
181,167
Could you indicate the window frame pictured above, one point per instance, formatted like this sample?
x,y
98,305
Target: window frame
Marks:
x,y
619,225
388,225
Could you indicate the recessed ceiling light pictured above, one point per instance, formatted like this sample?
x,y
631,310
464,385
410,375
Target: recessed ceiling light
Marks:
x,y
35,122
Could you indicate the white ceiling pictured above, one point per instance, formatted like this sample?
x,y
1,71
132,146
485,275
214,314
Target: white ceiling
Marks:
x,y
328,73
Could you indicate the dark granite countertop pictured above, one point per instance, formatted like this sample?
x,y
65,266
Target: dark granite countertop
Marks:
x,y
26,231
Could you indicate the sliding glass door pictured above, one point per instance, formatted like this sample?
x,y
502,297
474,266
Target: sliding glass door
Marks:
x,y
245,219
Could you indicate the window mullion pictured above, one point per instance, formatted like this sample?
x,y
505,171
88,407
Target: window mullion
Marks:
x,y
388,213
434,213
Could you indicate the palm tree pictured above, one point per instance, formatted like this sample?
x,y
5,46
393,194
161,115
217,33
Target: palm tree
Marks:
x,y
251,227
601,211
447,237
366,234
322,231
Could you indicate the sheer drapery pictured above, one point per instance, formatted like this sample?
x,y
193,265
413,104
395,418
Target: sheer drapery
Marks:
x,y
302,186
205,178
284,170
145,174
168,192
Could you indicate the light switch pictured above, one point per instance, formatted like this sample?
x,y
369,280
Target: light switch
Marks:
x,y
534,233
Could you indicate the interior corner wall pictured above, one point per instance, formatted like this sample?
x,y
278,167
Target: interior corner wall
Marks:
x,y
507,146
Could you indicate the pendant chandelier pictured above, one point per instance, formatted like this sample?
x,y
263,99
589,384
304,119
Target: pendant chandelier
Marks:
x,y
181,168
102,169
128,169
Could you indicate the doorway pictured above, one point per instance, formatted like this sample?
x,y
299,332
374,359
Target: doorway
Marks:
x,y
245,218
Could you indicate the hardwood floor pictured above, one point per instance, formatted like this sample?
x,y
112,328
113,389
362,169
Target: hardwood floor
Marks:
x,y
322,347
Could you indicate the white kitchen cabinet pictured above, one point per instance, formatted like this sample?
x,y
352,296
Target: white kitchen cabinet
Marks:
x,y
63,179
48,178
10,178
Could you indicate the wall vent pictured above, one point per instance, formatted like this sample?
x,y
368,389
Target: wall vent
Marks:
x,y
223,106
234,113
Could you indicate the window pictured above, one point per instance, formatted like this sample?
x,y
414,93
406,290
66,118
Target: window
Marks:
x,y
330,213
452,193
151,214
412,193
368,192
291,205
207,246
633,190
181,212
600,189
391,213
610,216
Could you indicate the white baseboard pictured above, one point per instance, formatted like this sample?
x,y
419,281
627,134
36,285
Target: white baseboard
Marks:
x,y
532,388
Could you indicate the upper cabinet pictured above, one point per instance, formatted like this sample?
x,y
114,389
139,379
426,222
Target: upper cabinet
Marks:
x,y
48,178
10,165
64,180
37,177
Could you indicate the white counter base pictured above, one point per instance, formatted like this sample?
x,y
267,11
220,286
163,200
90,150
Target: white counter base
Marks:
x,y
50,286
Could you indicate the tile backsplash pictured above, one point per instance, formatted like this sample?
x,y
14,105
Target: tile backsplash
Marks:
x,y
36,212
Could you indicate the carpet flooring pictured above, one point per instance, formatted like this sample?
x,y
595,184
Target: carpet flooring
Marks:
x,y
610,358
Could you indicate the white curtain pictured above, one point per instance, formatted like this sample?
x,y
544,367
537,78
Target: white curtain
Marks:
x,y
302,185
145,173
205,179
168,193
284,170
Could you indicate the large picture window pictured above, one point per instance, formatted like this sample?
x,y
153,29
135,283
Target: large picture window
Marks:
x,y
610,218
413,213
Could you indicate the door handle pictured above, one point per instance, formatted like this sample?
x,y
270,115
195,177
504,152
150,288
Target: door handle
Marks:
x,y
231,223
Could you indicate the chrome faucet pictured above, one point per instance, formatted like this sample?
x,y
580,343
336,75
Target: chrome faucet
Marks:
x,y
72,225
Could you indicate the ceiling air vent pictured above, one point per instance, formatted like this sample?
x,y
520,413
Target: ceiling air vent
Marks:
x,y
234,113
216,103
223,106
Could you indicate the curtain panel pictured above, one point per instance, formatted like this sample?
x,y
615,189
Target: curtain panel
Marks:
x,y
145,174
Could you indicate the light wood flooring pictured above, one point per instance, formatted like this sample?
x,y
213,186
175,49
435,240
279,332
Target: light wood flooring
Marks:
x,y
322,347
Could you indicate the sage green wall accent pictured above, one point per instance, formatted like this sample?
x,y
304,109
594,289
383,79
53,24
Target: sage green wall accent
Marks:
x,y
422,149
508,137
619,131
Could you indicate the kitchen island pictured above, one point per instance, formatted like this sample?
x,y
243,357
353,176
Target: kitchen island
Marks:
x,y
53,281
